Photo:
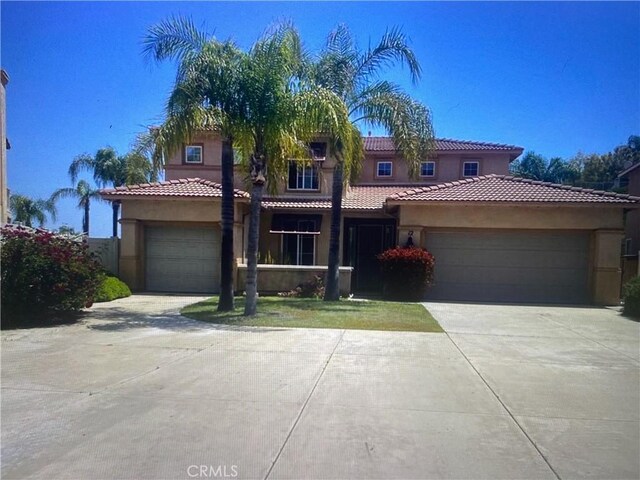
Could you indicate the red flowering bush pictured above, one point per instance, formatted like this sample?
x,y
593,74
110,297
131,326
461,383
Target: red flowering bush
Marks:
x,y
43,271
406,273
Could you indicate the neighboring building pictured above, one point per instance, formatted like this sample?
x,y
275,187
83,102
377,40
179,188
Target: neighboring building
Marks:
x,y
494,237
631,244
4,193
631,177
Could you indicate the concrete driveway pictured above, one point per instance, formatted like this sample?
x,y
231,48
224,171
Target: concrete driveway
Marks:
x,y
135,391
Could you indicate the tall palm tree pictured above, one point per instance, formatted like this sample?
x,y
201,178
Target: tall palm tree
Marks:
x,y
110,169
84,193
207,74
256,100
354,75
27,210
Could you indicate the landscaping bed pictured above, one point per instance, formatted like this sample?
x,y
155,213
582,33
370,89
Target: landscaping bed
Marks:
x,y
315,313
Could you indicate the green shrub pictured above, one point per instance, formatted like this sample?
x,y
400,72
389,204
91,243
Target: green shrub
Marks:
x,y
406,273
43,271
631,297
111,288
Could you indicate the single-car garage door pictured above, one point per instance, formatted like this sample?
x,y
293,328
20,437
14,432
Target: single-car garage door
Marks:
x,y
510,266
179,259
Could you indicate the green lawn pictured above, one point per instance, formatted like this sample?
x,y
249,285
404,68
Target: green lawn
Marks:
x,y
314,313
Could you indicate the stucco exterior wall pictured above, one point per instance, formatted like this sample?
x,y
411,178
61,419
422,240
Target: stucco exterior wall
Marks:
x,y
211,168
509,216
448,167
274,279
175,167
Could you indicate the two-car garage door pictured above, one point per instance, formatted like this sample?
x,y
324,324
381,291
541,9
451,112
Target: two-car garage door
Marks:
x,y
510,266
182,259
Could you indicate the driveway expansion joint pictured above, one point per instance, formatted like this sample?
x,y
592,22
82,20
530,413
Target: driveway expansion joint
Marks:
x,y
515,420
304,406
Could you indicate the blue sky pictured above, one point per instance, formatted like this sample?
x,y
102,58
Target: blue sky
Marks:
x,y
551,77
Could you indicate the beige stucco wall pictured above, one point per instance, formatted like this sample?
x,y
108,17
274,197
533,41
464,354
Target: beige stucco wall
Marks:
x,y
274,279
605,223
466,215
211,160
4,200
137,213
448,167
210,169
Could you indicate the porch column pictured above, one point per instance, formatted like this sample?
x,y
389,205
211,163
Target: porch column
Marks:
x,y
131,254
606,271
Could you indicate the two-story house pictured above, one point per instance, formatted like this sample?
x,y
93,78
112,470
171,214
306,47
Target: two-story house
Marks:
x,y
494,237
631,245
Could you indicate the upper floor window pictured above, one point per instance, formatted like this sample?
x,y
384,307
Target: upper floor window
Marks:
x,y
193,154
302,176
318,150
470,169
427,169
385,169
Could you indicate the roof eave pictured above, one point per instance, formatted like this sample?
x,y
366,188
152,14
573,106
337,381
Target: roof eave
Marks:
x,y
497,203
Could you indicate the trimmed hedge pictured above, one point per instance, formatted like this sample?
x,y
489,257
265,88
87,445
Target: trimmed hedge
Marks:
x,y
631,297
111,288
43,271
406,273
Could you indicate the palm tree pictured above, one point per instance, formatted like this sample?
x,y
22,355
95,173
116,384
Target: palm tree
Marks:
x,y
26,210
110,169
84,193
255,100
354,76
207,72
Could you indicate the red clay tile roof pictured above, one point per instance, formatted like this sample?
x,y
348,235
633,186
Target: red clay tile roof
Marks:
x,y
501,188
186,187
357,198
385,144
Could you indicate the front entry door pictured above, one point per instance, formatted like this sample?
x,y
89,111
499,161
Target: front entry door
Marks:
x,y
364,240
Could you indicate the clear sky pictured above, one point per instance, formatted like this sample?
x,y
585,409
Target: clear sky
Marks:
x,y
551,77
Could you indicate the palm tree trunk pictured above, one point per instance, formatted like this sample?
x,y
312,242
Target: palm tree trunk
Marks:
x,y
251,284
85,220
116,208
257,163
332,289
225,302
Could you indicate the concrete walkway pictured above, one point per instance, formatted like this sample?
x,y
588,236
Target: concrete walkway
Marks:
x,y
135,391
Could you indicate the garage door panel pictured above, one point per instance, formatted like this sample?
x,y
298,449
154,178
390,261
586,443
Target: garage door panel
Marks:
x,y
182,259
510,266
514,258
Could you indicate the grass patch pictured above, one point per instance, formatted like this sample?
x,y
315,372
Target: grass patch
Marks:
x,y
315,313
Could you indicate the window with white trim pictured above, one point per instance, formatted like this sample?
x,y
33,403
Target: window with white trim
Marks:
x,y
193,154
470,169
427,169
384,169
302,176
300,248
